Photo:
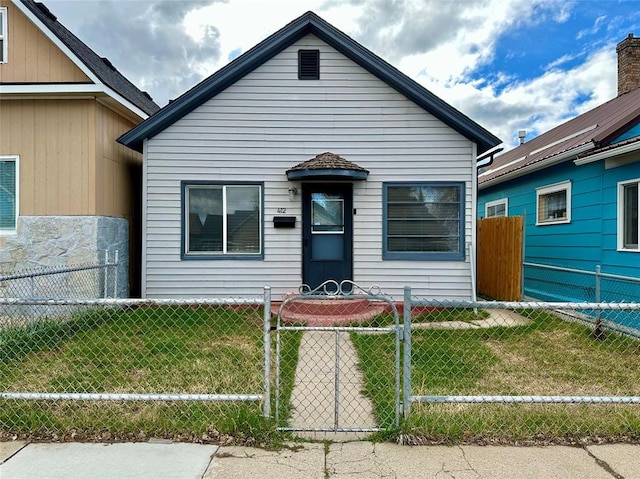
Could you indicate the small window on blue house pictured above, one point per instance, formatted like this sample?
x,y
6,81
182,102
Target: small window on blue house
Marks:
x,y
8,194
628,215
308,64
423,221
495,209
554,204
221,220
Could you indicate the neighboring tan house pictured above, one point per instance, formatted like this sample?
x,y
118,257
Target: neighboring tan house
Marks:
x,y
68,191
308,158
577,188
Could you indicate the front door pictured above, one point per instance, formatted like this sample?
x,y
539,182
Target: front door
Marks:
x,y
327,236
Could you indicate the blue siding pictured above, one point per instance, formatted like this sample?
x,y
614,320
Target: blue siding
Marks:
x,y
590,239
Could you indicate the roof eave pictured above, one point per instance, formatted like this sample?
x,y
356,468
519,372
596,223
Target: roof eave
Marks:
x,y
327,174
603,155
540,165
268,48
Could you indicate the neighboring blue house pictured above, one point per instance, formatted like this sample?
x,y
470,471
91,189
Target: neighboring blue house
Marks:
x,y
577,188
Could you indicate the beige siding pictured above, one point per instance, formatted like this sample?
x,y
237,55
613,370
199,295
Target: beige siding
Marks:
x,y
32,57
52,137
266,123
119,171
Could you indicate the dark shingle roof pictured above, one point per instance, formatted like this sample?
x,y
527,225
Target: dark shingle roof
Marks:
x,y
328,161
579,137
308,23
327,166
101,67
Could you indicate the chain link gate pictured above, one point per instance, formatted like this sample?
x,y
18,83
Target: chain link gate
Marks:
x,y
327,380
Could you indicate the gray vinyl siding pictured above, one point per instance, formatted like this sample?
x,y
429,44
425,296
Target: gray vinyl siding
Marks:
x,y
268,122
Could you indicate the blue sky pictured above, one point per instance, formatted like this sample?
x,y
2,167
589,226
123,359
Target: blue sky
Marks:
x,y
508,64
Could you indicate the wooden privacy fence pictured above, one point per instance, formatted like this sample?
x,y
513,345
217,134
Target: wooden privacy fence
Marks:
x,y
500,258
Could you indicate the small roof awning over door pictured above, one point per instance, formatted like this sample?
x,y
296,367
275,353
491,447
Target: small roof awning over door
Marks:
x,y
327,166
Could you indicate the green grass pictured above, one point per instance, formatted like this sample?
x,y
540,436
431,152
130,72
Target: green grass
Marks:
x,y
146,350
547,356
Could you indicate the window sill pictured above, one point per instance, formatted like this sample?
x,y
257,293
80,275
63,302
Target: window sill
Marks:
x,y
423,257
626,250
218,257
555,222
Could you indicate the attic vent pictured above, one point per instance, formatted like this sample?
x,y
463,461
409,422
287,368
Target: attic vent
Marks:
x,y
308,64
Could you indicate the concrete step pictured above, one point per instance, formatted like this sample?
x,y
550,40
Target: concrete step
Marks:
x,y
328,312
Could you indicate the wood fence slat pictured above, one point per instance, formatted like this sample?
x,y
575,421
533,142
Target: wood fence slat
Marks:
x,y
499,262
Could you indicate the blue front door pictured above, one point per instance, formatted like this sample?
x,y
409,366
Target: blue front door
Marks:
x,y
327,236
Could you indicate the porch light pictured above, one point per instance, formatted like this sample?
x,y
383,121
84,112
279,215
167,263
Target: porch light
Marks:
x,y
293,191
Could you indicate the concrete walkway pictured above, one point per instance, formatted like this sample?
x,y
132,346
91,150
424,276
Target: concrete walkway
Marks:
x,y
314,398
361,460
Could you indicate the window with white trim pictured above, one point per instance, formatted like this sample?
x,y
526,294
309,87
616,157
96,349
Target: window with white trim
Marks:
x,y
8,194
3,34
628,215
221,220
497,208
423,221
553,204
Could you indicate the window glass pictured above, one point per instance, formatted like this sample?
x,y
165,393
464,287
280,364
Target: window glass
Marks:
x,y
327,213
496,208
630,216
8,198
554,204
223,219
243,219
424,219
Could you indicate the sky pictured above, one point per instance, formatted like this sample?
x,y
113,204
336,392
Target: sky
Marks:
x,y
509,65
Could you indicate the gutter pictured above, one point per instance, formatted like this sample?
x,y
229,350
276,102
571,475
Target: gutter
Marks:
x,y
621,150
551,161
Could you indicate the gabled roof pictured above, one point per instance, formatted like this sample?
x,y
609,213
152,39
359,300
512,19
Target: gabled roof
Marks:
x,y
97,68
305,24
587,134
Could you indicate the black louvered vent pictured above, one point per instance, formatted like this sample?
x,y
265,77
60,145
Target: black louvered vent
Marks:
x,y
309,64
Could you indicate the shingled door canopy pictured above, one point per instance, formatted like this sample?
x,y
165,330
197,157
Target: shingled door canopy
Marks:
x,y
327,166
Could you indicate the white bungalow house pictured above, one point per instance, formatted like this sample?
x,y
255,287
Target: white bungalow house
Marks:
x,y
308,158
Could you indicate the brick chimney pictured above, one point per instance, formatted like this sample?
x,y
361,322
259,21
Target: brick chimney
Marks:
x,y
628,51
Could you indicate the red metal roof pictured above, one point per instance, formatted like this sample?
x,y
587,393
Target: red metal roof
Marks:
x,y
585,133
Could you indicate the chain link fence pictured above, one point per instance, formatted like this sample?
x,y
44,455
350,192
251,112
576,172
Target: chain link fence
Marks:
x,y
330,393
116,368
491,372
98,280
354,362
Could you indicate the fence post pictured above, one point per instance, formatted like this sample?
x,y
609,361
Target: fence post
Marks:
x,y
116,273
598,332
406,374
105,275
266,405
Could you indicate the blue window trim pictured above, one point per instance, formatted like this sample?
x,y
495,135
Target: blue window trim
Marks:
x,y
426,256
220,256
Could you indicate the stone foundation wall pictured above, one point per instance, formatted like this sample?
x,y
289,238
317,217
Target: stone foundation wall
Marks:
x,y
66,241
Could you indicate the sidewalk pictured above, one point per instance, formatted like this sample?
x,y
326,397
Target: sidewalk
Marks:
x,y
362,460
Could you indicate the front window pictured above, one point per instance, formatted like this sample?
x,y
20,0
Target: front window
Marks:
x,y
554,204
222,220
8,194
628,215
423,221
3,34
497,208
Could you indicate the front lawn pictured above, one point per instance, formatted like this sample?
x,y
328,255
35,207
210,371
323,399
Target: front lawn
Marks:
x,y
547,356
170,350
